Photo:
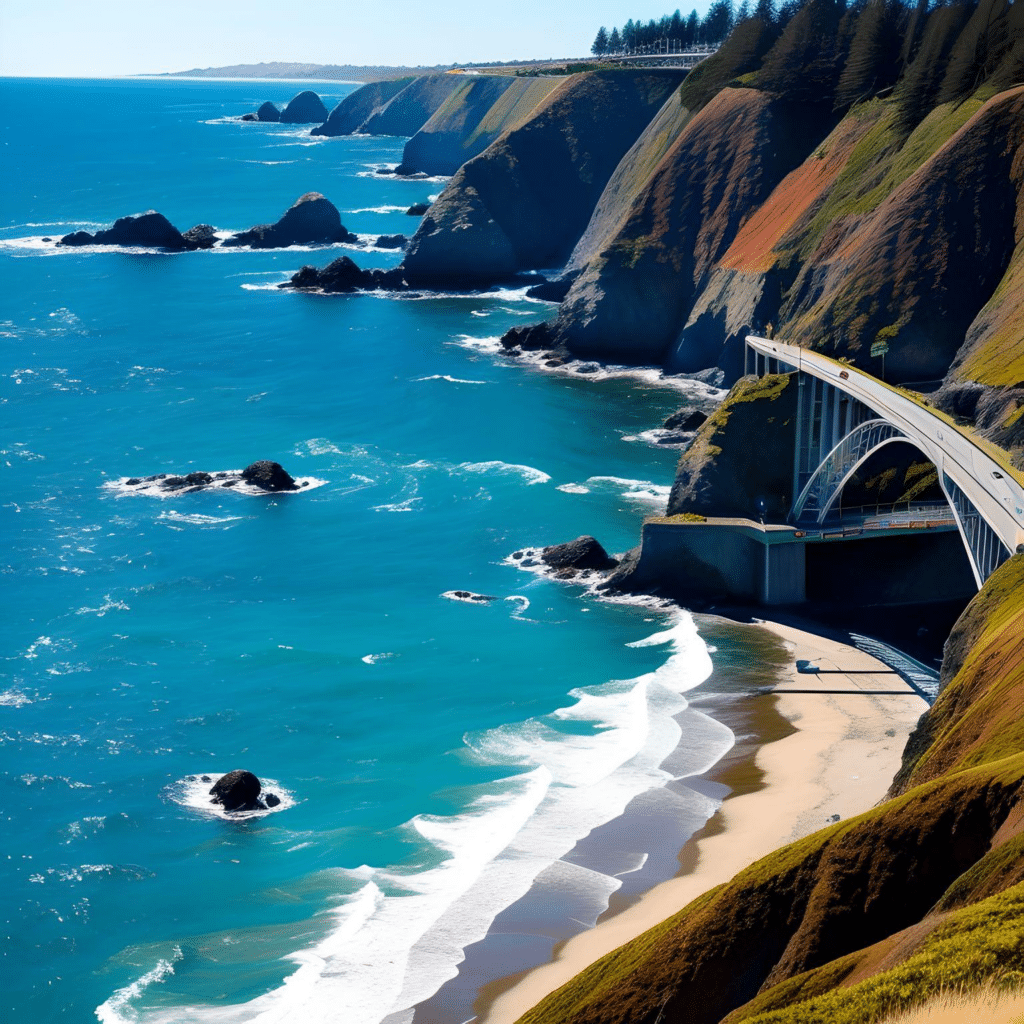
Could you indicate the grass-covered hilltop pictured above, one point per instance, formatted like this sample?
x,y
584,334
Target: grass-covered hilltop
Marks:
x,y
849,177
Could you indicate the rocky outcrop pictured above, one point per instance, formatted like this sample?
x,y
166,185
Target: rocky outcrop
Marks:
x,y
356,108
418,209
391,242
305,108
479,109
264,475
582,553
722,474
149,230
269,476
268,112
311,219
524,202
410,108
202,236
343,275
237,791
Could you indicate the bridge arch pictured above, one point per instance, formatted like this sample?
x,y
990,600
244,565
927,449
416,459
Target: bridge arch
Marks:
x,y
844,416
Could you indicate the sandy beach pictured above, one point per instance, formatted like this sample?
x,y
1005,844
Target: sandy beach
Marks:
x,y
837,757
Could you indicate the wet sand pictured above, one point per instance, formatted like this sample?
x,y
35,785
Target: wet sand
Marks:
x,y
801,759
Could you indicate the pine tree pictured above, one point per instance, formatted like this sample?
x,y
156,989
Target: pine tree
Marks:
x,y
629,41
600,46
804,64
968,64
718,21
743,11
692,28
675,27
1010,69
917,89
615,42
912,36
872,62
765,11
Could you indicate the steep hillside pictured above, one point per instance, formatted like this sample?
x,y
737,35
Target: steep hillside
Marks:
x,y
410,108
525,201
709,484
866,916
631,299
471,118
358,106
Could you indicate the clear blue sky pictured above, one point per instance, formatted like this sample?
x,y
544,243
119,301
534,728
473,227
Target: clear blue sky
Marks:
x,y
124,37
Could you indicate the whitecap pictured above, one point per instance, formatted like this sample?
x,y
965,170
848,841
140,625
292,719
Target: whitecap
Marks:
x,y
573,488
451,380
528,473
409,505
116,1009
372,659
379,209
195,519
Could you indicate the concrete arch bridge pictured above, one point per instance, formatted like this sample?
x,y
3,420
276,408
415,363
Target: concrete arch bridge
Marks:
x,y
845,416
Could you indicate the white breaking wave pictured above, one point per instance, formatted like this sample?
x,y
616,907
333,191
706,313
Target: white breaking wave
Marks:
x,y
114,1009
400,936
528,473
451,380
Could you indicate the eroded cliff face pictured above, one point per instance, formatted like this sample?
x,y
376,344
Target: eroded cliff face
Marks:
x,y
358,106
525,201
633,297
476,113
924,891
410,108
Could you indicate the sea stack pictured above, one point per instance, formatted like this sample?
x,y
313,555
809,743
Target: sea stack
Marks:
x,y
306,108
311,219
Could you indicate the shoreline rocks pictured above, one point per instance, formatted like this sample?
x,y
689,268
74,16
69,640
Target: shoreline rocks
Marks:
x,y
264,475
149,230
583,553
304,108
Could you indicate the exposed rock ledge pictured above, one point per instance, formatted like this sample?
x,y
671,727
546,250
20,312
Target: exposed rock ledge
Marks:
x,y
265,475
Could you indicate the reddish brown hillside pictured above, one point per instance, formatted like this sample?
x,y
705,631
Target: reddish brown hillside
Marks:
x,y
725,163
920,268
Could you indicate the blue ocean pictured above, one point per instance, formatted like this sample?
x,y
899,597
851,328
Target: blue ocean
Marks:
x,y
439,761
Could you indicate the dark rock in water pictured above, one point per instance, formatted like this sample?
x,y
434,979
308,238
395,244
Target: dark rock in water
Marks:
x,y
176,483
305,108
237,791
78,238
623,577
271,799
149,230
250,117
133,481
340,275
418,209
204,778
311,219
202,236
582,553
551,291
469,595
392,242
343,275
45,239
685,419
385,170
269,476
532,336
268,112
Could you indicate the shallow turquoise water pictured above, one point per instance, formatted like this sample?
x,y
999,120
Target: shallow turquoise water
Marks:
x,y
435,755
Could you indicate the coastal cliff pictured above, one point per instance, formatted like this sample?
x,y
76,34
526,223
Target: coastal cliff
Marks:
x,y
864,916
525,201
471,117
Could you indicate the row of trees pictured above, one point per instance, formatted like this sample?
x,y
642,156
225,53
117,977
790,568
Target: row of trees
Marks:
x,y
674,33
842,52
